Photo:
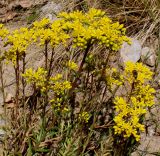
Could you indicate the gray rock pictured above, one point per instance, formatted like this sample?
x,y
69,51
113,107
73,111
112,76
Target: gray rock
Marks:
x,y
148,146
50,16
131,52
51,8
148,56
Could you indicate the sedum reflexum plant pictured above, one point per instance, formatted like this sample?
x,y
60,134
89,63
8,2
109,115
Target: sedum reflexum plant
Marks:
x,y
47,32
93,27
76,90
130,109
19,40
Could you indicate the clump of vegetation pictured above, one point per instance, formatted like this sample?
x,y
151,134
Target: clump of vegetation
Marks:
x,y
76,107
33,16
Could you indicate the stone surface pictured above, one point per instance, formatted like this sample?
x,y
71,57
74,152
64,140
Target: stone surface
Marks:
x,y
131,52
50,10
25,4
9,9
149,146
148,56
51,7
8,16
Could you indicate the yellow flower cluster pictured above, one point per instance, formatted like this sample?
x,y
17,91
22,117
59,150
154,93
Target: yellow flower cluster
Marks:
x,y
39,78
56,104
60,87
145,94
72,65
19,40
93,27
55,84
84,117
137,72
127,119
36,77
46,32
82,28
3,31
65,110
56,77
130,109
41,24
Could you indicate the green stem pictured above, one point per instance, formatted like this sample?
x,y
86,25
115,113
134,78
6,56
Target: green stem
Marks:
x,y
23,80
72,94
17,81
46,85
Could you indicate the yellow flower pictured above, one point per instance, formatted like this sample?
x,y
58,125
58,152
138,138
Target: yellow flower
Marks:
x,y
84,117
130,109
94,26
72,65
41,24
56,77
38,77
19,40
3,31
65,110
143,73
